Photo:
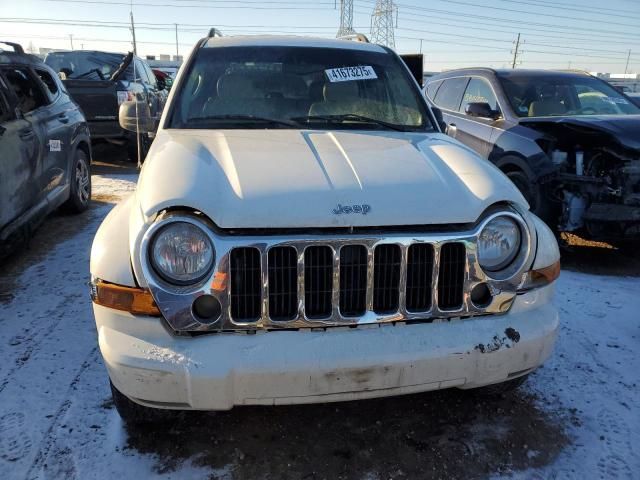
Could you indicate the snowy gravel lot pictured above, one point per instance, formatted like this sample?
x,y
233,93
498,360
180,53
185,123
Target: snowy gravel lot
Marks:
x,y
577,417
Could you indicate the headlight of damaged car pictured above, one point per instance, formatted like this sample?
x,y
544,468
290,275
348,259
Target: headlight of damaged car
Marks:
x,y
182,253
499,244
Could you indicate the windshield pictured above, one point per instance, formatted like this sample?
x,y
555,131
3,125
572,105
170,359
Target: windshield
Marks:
x,y
297,87
553,95
87,65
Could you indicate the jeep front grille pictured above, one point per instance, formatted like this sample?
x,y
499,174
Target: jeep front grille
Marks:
x,y
294,280
362,279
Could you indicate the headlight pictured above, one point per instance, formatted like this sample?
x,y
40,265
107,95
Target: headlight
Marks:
x,y
499,244
182,253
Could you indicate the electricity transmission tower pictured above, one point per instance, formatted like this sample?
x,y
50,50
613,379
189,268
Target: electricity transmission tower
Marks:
x,y
346,18
382,23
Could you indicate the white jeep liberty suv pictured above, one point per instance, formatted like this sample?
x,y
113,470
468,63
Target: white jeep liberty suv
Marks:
x,y
302,231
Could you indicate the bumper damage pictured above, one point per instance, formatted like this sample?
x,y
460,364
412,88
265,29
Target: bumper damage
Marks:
x,y
218,371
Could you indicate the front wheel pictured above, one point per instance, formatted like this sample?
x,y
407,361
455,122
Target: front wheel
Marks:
x,y
503,388
136,414
80,179
534,194
529,191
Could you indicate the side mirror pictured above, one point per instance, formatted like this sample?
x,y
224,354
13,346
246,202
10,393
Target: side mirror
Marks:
x,y
480,109
440,119
162,85
136,116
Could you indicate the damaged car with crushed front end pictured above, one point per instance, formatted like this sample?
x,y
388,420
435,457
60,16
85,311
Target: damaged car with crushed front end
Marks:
x,y
568,140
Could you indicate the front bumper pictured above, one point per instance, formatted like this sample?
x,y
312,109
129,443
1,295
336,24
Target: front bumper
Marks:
x,y
218,371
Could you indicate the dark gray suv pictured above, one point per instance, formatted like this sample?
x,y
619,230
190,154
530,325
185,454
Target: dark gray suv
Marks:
x,y
45,148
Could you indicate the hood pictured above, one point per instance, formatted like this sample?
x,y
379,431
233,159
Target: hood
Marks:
x,y
310,178
624,128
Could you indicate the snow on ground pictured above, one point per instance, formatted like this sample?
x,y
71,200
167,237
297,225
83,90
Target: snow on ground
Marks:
x,y
57,421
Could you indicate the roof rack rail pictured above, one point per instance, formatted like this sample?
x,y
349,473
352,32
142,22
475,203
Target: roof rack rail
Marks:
x,y
356,37
214,32
16,46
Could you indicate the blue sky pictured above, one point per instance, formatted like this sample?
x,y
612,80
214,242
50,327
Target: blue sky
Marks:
x,y
586,34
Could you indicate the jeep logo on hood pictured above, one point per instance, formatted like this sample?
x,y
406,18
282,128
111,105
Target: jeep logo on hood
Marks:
x,y
347,209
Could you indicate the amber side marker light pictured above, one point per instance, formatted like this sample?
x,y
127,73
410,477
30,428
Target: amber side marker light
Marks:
x,y
541,277
128,299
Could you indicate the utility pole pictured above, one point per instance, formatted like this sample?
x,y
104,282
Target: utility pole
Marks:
x,y
382,23
515,52
133,33
420,45
346,18
71,40
626,66
177,52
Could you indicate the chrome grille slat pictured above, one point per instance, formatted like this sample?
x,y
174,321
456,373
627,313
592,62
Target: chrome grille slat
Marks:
x,y
282,286
451,277
353,280
386,278
318,281
419,277
245,290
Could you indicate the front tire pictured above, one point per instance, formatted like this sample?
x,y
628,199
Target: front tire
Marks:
x,y
504,388
80,183
136,414
534,194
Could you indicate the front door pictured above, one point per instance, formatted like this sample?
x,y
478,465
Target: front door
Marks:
x,y
19,155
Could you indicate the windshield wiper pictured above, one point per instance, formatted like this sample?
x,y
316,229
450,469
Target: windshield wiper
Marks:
x,y
243,118
350,116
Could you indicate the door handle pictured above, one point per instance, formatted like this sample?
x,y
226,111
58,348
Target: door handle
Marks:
x,y
27,134
63,118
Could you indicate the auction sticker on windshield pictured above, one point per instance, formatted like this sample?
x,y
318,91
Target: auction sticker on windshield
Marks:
x,y
347,74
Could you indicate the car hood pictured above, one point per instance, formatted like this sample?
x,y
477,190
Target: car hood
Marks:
x,y
623,128
294,178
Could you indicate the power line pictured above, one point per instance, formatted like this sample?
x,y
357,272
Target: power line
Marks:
x,y
576,7
477,17
539,14
171,5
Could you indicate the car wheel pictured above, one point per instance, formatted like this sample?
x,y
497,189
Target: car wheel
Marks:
x,y
133,413
529,191
503,388
535,196
80,180
132,148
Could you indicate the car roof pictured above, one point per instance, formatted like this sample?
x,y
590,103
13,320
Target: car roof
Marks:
x,y
505,72
289,41
13,58
86,51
